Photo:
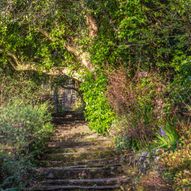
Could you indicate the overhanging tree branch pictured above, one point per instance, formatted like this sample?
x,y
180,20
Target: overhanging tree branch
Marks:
x,y
82,56
20,66
92,25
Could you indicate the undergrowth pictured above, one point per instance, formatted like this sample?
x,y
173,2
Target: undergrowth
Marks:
x,y
25,128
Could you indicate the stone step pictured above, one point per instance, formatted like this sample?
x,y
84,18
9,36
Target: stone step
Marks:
x,y
86,182
78,149
78,159
85,166
77,188
79,156
76,144
75,173
72,132
73,128
76,132
78,140
102,161
80,164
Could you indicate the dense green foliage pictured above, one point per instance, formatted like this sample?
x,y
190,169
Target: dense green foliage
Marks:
x,y
19,87
25,129
142,47
36,33
97,110
23,124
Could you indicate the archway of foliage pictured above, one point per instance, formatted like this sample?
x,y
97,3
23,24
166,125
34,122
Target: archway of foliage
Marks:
x,y
73,37
136,53
48,36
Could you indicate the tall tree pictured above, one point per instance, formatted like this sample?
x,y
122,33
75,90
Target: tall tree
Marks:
x,y
46,35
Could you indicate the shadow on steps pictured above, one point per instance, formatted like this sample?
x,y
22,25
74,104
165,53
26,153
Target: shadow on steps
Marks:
x,y
78,159
67,117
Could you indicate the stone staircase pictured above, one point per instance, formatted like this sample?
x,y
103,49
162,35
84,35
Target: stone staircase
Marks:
x,y
78,159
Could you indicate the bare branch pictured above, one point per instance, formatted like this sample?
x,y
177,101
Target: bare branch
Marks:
x,y
92,25
55,71
83,57
44,33
23,66
13,58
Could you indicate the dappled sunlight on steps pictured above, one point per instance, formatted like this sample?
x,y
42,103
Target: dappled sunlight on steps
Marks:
x,y
79,159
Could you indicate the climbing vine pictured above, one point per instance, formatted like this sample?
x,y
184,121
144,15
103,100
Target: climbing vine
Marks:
x,y
97,111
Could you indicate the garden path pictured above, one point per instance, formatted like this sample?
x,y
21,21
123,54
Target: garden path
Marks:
x,y
79,159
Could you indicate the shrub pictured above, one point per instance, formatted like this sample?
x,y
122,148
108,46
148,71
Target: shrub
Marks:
x,y
120,91
141,101
16,170
21,87
23,124
178,162
97,111
25,129
179,88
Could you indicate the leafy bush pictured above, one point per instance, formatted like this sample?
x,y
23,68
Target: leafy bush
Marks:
x,y
97,111
178,162
16,170
25,130
24,124
20,87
